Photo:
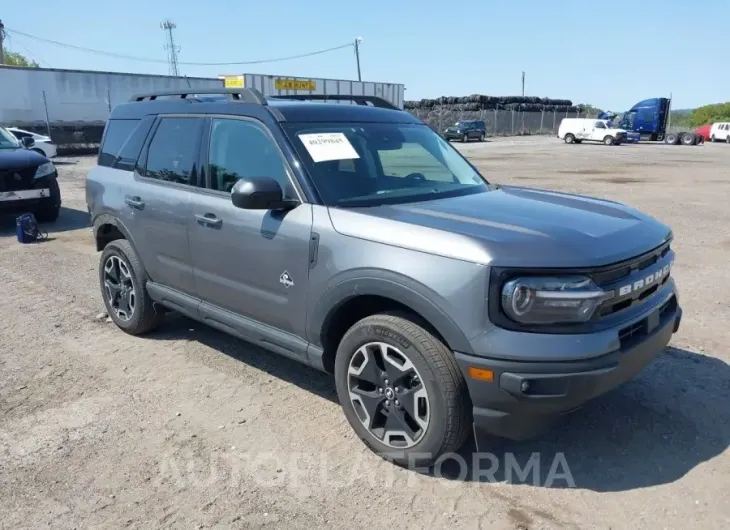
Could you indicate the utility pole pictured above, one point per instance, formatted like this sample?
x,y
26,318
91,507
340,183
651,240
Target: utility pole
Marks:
x,y
357,56
168,26
523,84
2,40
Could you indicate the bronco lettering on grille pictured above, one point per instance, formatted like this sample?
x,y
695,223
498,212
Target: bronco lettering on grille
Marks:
x,y
644,282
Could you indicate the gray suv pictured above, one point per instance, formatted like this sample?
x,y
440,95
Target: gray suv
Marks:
x,y
354,239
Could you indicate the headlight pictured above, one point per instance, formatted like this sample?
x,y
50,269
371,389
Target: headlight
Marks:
x,y
44,170
551,300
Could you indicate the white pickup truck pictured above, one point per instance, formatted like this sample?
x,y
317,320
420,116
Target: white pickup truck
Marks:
x,y
577,130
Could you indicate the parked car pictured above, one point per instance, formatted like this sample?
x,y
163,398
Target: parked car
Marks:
x,y
43,144
577,130
355,240
720,132
28,180
466,130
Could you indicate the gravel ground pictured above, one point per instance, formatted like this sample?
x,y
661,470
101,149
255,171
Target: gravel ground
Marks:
x,y
191,428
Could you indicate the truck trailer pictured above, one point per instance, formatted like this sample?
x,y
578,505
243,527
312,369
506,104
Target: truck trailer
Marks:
x,y
648,120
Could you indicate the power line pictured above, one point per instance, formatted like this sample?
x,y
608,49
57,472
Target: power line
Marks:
x,y
164,61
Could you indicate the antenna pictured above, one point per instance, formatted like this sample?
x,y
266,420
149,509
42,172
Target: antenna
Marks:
x,y
168,26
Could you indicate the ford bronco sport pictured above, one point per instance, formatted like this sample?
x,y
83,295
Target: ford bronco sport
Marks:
x,y
356,240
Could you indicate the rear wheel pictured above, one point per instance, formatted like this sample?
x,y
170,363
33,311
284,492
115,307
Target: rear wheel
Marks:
x,y
727,140
688,139
712,139
465,138
122,277
569,138
482,137
401,390
671,139
608,140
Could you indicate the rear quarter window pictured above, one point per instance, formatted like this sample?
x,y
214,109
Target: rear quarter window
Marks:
x,y
115,136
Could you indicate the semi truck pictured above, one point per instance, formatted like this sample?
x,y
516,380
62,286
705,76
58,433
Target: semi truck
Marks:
x,y
649,120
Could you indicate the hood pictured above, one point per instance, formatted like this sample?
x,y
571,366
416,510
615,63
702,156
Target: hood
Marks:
x,y
14,159
510,226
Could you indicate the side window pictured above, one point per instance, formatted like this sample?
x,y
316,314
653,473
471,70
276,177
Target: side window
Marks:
x,y
117,132
599,125
242,149
20,135
173,150
399,163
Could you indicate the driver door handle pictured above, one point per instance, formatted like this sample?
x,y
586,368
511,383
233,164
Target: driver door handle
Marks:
x,y
209,219
134,202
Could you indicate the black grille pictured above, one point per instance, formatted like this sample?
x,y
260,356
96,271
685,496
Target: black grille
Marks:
x,y
625,274
14,180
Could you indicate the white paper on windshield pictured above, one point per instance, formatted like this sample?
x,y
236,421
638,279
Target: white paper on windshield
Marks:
x,y
328,146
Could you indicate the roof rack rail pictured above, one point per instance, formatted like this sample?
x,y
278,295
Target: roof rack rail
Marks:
x,y
375,101
248,95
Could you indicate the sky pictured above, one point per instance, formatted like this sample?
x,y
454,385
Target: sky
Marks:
x,y
607,54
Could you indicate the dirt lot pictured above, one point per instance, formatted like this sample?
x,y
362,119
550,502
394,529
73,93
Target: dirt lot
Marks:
x,y
190,428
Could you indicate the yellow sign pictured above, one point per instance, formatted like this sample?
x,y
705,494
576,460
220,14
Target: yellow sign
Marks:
x,y
295,84
233,82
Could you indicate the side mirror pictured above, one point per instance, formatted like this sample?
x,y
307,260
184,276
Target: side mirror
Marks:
x,y
27,142
261,193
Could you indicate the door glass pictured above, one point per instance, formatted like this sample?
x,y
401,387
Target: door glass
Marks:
x,y
241,149
599,125
173,150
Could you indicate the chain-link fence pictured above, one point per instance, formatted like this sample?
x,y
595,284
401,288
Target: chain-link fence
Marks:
x,y
499,122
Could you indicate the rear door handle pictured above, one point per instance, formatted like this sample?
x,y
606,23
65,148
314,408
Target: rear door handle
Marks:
x,y
134,202
209,220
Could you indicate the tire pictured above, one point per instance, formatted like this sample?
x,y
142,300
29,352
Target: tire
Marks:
x,y
671,139
482,137
465,138
727,140
569,138
143,316
49,213
712,139
608,140
442,392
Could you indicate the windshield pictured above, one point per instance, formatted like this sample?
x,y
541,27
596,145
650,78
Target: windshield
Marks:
x,y
7,140
462,124
367,164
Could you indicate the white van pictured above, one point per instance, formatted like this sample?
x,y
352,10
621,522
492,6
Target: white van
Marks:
x,y
720,132
577,130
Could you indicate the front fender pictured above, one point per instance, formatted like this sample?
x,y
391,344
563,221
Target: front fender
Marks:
x,y
107,219
396,287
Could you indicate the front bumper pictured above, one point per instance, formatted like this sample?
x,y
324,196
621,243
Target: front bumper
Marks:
x,y
38,195
525,398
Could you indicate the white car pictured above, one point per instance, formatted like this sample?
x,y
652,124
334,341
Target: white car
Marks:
x,y
577,130
720,132
43,144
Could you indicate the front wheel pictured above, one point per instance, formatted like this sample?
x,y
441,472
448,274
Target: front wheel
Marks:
x,y
569,138
727,140
401,390
482,137
51,208
465,138
608,140
712,138
127,302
